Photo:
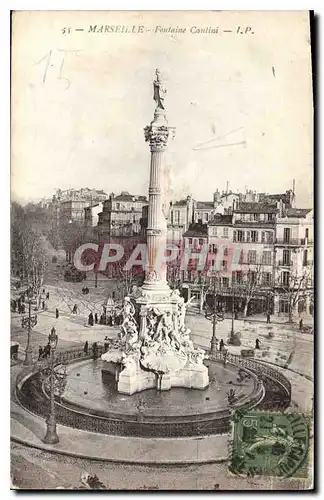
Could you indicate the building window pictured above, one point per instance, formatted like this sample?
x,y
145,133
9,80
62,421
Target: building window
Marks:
x,y
286,234
252,276
270,216
306,232
200,241
248,236
266,258
190,241
224,265
283,306
269,237
286,257
237,277
254,236
305,258
262,237
225,282
215,231
225,232
255,216
241,257
240,236
225,252
285,278
234,236
266,279
206,216
252,256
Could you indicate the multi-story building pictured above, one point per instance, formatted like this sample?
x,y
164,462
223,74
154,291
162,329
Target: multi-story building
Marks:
x,y
261,252
203,211
294,259
72,210
121,216
91,218
179,218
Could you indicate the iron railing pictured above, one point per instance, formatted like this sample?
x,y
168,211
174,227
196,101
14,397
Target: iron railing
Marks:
x,y
30,394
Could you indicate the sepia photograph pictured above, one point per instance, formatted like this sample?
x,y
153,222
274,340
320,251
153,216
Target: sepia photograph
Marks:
x,y
162,251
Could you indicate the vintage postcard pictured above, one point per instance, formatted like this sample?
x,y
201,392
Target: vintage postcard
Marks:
x,y
162,266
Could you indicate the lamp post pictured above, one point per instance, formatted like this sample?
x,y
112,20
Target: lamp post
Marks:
x,y
29,322
215,317
233,310
234,338
51,436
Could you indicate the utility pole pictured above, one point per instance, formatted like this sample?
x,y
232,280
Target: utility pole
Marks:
x,y
233,310
96,280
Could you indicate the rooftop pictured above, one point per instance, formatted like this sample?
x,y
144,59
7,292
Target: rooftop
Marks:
x,y
125,196
196,229
205,204
220,220
296,212
254,208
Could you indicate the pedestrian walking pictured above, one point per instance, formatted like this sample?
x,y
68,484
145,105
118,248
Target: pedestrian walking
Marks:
x,y
221,344
90,319
101,320
301,324
268,317
225,357
95,350
47,351
96,318
43,305
57,314
257,343
40,352
86,347
75,309
47,296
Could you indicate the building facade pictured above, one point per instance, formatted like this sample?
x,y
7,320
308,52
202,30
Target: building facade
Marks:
x,y
121,216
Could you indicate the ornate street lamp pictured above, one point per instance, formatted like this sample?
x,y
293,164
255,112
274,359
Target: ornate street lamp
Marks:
x,y
215,315
28,323
51,435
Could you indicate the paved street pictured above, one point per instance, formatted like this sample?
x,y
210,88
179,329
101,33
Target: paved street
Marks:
x,y
46,470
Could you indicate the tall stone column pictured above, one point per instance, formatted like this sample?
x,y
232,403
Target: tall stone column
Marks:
x,y
157,134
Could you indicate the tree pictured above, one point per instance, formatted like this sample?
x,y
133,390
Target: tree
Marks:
x,y
296,286
252,283
72,235
28,260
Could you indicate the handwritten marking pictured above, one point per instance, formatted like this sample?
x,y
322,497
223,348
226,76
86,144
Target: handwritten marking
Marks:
x,y
48,57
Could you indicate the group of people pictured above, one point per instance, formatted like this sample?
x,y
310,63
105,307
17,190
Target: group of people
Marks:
x,y
104,319
18,305
85,290
43,352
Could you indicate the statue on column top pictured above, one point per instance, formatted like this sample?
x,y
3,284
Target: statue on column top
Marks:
x,y
159,90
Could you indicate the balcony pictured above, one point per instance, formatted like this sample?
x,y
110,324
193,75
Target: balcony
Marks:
x,y
252,223
293,242
284,263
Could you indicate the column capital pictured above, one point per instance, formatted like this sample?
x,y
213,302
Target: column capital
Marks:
x,y
157,136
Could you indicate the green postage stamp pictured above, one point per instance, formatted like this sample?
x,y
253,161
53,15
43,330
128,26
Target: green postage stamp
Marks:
x,y
269,443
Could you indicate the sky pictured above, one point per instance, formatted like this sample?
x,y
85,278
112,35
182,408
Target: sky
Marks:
x,y
80,101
